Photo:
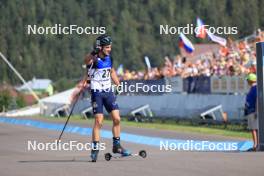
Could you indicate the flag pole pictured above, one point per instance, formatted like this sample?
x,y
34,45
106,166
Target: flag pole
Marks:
x,y
22,79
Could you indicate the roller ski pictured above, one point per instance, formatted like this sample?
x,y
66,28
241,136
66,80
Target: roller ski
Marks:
x,y
120,152
141,153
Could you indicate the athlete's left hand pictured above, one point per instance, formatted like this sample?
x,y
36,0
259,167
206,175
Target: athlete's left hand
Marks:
x,y
118,90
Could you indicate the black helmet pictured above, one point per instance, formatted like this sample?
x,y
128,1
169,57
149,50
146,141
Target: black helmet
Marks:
x,y
103,40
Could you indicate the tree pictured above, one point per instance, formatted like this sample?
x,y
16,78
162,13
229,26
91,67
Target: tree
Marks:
x,y
133,25
5,100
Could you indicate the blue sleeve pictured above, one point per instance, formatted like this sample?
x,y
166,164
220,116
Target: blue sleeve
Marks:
x,y
112,62
251,101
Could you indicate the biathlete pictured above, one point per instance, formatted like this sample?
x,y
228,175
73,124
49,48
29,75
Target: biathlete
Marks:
x,y
100,71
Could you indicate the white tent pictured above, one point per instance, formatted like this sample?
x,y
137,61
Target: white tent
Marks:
x,y
60,98
27,111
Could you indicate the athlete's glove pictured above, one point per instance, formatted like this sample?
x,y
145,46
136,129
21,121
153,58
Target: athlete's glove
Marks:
x,y
95,51
118,90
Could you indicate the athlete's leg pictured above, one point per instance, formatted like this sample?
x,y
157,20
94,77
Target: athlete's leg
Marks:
x,y
255,139
111,106
117,148
116,123
98,122
97,104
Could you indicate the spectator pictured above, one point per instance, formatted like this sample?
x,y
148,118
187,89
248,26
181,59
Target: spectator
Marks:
x,y
237,58
251,109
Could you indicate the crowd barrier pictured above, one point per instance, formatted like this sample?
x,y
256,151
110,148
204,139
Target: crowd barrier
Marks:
x,y
229,84
197,84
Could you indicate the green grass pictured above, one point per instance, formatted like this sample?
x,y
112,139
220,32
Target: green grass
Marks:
x,y
229,130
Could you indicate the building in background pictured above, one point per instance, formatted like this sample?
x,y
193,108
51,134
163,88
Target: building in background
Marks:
x,y
39,86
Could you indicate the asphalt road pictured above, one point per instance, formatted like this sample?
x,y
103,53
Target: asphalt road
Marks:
x,y
15,159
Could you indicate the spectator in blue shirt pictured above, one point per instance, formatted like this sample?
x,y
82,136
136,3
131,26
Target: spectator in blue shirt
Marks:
x,y
251,109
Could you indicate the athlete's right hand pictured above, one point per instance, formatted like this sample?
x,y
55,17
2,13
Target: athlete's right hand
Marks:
x,y
96,50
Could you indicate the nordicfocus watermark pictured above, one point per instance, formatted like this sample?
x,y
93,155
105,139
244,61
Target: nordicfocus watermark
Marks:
x,y
192,29
140,87
144,87
190,145
59,29
65,146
